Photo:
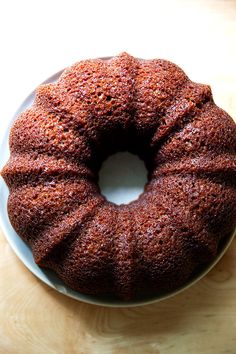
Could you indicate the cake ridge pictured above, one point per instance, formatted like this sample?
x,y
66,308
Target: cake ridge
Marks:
x,y
49,136
125,264
22,169
97,269
45,204
182,112
207,163
42,253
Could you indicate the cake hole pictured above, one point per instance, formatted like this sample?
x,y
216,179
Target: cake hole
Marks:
x,y
122,178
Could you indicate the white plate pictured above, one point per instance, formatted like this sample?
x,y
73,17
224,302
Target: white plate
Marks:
x,y
24,253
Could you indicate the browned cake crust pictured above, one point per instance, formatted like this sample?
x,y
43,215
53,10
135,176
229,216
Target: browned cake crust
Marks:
x,y
98,107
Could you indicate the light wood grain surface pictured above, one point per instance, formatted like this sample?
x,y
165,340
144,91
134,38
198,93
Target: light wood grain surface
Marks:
x,y
34,319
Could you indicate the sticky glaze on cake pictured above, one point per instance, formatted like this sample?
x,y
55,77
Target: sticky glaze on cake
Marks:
x,y
97,107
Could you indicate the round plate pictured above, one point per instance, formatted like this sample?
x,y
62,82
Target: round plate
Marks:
x,y
48,277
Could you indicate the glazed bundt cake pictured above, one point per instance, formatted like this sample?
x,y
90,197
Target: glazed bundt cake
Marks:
x,y
150,108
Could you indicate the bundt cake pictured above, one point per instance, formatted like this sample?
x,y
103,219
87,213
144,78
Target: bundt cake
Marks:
x,y
147,107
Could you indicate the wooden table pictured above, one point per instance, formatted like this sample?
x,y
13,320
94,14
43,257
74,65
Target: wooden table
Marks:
x,y
35,319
